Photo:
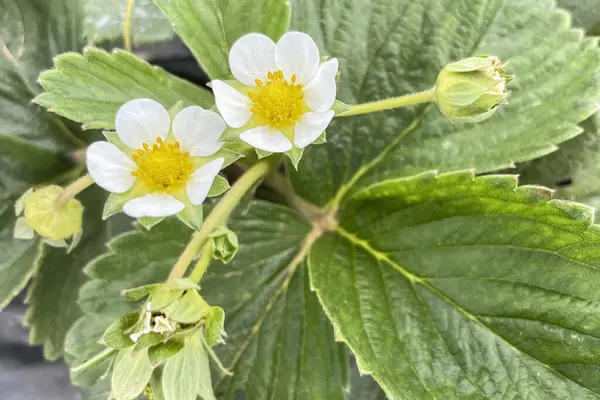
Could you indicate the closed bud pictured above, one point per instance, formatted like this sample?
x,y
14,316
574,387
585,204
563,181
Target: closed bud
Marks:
x,y
471,90
51,218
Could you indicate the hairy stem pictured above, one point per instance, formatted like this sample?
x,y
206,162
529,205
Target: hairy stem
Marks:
x,y
98,358
74,189
203,262
221,212
127,24
426,96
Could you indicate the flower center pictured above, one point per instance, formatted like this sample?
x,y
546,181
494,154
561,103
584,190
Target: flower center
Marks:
x,y
163,166
277,102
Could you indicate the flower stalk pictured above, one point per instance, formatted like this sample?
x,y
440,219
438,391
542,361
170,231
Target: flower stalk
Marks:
x,y
74,189
426,96
202,264
221,212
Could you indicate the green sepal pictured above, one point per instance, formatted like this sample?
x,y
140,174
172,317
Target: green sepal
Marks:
x,y
188,309
147,340
139,292
192,216
162,297
230,156
219,186
22,231
59,244
183,283
215,320
175,109
295,155
261,153
113,138
116,335
150,222
225,244
131,374
161,352
339,107
20,203
321,139
231,135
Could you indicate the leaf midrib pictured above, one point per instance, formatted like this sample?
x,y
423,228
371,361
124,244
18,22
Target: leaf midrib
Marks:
x,y
355,241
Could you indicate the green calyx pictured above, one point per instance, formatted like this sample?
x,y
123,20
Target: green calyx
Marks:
x,y
49,217
472,89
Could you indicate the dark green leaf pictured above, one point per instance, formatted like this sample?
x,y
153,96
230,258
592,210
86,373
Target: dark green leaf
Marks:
x,y
210,27
392,47
161,352
435,279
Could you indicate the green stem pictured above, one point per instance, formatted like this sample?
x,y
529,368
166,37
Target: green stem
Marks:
x,y
221,212
426,96
127,24
98,358
74,189
203,262
281,184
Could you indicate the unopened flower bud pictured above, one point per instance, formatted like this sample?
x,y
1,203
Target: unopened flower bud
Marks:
x,y
471,90
50,218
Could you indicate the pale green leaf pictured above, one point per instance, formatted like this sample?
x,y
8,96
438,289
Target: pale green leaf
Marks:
x,y
452,286
393,47
131,374
274,322
191,361
104,21
210,27
91,87
161,352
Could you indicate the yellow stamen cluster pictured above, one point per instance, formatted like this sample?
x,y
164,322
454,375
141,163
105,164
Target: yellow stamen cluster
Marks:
x,y
278,103
163,166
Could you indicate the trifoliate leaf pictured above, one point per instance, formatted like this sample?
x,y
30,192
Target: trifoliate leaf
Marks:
x,y
209,28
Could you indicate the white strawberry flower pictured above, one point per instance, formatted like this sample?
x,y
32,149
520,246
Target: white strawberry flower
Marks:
x,y
159,166
282,95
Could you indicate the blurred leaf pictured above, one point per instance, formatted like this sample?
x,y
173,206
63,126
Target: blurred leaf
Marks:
x,y
586,13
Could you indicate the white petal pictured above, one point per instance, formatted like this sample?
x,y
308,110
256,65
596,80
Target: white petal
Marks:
x,y
233,106
110,167
267,139
297,54
319,94
310,126
251,57
202,179
198,131
153,205
142,120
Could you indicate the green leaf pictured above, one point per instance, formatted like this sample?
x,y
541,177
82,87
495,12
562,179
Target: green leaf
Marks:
x,y
437,278
219,186
161,352
274,322
586,13
363,387
116,335
210,27
19,259
33,142
393,47
104,21
52,297
131,374
91,87
191,361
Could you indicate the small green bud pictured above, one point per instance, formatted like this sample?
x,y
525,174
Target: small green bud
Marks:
x,y
225,244
48,217
471,90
